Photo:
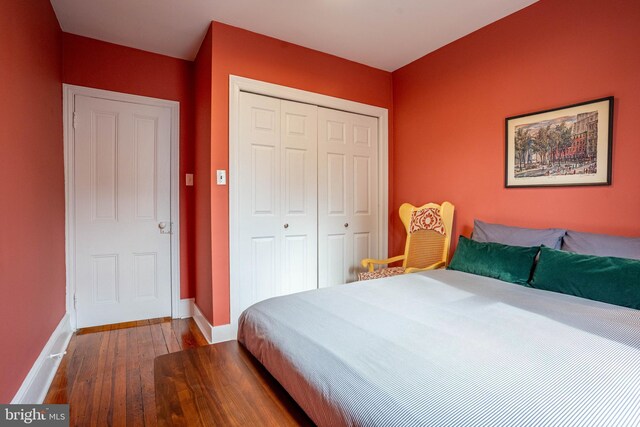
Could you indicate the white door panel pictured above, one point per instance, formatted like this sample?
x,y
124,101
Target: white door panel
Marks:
x,y
122,193
347,194
307,196
299,199
259,211
277,198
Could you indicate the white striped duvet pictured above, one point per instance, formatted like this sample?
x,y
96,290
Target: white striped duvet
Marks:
x,y
446,348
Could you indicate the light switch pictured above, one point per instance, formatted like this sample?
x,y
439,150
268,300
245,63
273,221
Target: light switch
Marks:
x,y
221,177
189,179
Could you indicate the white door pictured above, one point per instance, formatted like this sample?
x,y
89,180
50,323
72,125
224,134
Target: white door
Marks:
x,y
277,198
347,194
122,211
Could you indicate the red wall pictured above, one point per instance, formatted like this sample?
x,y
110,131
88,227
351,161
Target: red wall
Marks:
x,y
243,53
32,272
97,64
202,178
450,108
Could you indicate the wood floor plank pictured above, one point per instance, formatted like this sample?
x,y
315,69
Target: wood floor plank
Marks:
x,y
199,339
61,384
135,409
87,378
159,343
221,384
106,376
106,392
184,335
170,338
103,378
146,356
119,406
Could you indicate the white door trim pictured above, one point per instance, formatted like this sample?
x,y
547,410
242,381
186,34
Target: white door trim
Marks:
x,y
242,84
68,97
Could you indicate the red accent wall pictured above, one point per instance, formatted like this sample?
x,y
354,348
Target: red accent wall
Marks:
x,y
32,260
202,178
243,53
450,108
97,64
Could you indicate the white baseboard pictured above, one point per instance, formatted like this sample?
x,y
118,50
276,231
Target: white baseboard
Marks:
x,y
225,333
186,308
213,334
203,324
35,386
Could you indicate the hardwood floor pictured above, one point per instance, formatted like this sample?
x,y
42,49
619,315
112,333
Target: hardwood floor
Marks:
x,y
221,385
107,374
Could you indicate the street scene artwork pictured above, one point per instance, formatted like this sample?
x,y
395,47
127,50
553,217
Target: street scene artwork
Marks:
x,y
566,146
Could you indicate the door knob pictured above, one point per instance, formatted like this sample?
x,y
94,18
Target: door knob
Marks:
x,y
165,227
286,226
346,224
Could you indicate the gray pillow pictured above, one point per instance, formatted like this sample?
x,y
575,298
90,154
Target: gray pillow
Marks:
x,y
517,236
601,245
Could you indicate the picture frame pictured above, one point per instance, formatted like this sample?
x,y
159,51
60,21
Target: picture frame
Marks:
x,y
565,146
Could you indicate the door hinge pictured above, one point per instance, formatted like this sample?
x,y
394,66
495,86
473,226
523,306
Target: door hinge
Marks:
x,y
75,301
75,119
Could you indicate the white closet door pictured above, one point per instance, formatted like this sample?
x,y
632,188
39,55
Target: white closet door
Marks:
x,y
347,194
277,198
122,211
299,201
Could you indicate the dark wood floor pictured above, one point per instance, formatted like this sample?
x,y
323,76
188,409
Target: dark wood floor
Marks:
x,y
107,374
221,385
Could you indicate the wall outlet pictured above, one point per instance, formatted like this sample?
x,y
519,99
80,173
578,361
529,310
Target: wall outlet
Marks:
x,y
189,180
221,177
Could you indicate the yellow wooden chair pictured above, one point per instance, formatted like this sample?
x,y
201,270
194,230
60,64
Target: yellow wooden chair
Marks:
x,y
429,230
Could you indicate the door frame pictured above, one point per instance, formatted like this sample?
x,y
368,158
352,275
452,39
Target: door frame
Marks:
x,y
239,84
68,106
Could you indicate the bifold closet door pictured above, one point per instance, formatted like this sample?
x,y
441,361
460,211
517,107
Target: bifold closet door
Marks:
x,y
277,198
347,194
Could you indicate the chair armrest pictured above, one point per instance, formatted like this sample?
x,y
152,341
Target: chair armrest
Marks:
x,y
370,262
431,267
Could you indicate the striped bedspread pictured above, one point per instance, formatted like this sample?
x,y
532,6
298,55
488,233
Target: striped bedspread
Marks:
x,y
446,348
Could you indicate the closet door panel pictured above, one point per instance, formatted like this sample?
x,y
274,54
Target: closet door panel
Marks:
x,y
308,196
347,194
299,157
336,185
333,197
277,187
335,253
298,268
259,191
363,221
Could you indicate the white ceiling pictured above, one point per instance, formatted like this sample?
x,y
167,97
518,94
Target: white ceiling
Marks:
x,y
385,34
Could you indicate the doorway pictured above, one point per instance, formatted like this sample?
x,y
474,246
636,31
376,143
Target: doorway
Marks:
x,y
122,222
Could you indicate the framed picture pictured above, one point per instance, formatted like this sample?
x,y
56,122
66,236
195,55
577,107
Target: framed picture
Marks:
x,y
561,147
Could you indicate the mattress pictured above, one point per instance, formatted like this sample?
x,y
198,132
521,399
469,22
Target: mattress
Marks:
x,y
446,348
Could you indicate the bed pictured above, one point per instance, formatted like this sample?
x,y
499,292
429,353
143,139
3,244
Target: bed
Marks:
x,y
449,348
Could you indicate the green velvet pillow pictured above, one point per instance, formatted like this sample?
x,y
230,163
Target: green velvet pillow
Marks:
x,y
509,263
606,279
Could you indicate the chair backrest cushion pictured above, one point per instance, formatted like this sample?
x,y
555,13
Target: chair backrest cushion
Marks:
x,y
427,219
